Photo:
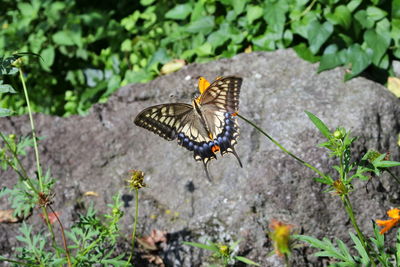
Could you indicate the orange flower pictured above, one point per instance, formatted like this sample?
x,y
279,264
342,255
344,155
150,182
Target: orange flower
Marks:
x,y
389,224
280,236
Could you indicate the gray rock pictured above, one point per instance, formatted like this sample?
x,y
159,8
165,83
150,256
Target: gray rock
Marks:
x,y
95,153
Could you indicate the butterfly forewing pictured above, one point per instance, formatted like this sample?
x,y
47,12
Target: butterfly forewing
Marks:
x,y
164,119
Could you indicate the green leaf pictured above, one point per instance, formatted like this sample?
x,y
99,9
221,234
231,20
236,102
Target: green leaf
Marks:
x,y
352,5
275,14
253,13
318,34
5,112
63,38
304,52
319,124
386,164
362,17
202,246
6,88
238,6
324,180
395,11
219,37
341,16
146,2
47,55
179,12
375,13
361,250
332,60
301,26
198,11
160,56
377,43
204,50
246,260
359,60
203,25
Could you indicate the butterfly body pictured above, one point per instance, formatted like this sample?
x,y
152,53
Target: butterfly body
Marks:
x,y
206,127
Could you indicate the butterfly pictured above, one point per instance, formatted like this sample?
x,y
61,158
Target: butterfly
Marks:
x,y
207,126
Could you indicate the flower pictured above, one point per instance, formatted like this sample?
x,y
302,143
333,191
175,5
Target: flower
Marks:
x,y
280,236
340,188
389,224
136,180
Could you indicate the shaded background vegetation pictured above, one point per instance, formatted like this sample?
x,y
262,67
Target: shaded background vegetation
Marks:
x,y
91,48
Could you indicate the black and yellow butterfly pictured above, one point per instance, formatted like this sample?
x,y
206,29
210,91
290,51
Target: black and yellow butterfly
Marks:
x,y
206,126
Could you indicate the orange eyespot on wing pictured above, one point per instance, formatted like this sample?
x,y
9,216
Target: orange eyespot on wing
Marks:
x,y
215,149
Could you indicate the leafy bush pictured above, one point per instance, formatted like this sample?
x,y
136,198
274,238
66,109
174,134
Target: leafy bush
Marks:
x,y
91,50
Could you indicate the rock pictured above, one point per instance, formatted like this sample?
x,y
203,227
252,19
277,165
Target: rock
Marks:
x,y
96,152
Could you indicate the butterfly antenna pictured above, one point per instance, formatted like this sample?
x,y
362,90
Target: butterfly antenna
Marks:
x,y
206,170
236,155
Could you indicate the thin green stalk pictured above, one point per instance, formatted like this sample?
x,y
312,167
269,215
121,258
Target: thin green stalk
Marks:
x,y
135,223
35,146
282,148
38,167
350,213
393,176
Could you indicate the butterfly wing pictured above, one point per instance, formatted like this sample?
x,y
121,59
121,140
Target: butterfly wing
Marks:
x,y
164,119
218,103
177,120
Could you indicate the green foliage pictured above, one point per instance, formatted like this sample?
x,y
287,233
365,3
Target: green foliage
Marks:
x,y
94,239
89,51
22,196
222,253
339,143
384,254
93,242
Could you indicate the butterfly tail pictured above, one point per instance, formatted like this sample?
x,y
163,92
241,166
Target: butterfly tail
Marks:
x,y
206,170
236,155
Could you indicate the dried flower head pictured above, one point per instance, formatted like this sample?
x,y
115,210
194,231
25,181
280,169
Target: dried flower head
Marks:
x,y
136,180
45,199
340,188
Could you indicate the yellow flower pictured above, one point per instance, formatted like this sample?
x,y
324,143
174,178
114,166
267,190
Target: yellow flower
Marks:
x,y
280,236
389,224
224,250
136,180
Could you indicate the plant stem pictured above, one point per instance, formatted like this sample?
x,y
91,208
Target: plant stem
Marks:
x,y
284,149
393,176
350,213
63,237
39,169
135,223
